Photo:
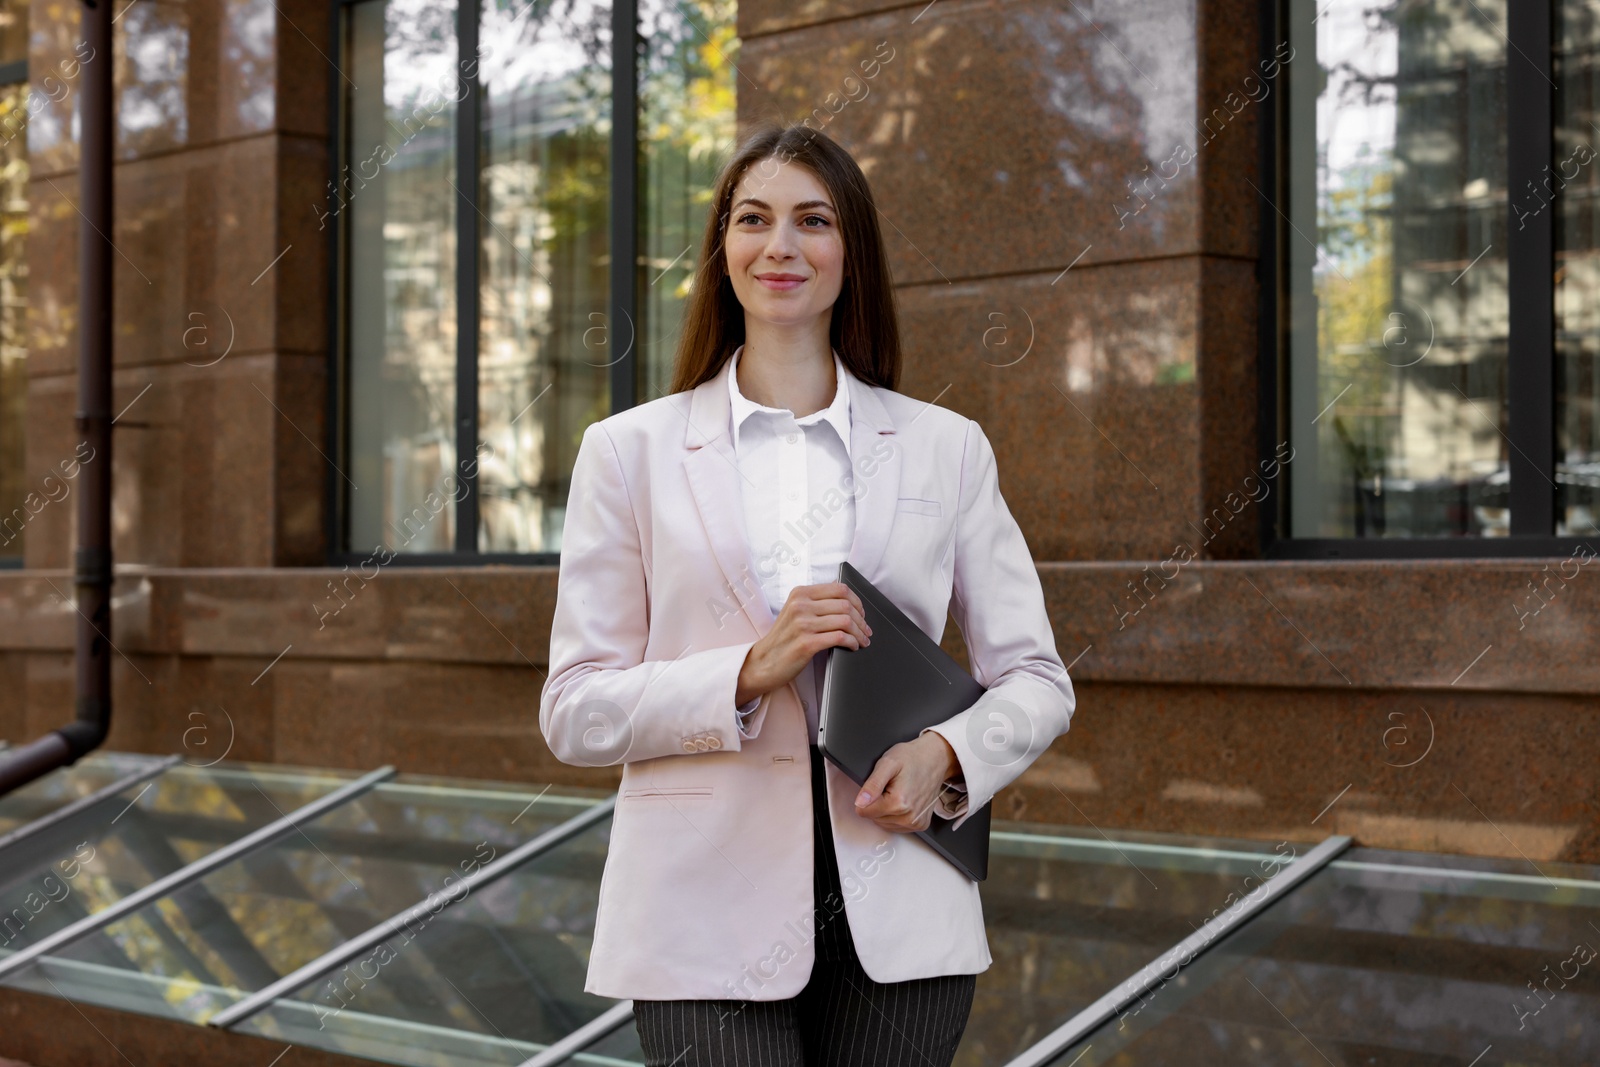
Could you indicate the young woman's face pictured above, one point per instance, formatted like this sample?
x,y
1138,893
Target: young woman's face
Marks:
x,y
785,254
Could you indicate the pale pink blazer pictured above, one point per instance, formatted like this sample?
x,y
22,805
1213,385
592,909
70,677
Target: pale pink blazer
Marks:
x,y
707,890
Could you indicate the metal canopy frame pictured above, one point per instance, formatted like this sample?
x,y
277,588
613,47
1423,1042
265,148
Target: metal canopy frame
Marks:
x,y
1150,975
155,768
604,1025
201,867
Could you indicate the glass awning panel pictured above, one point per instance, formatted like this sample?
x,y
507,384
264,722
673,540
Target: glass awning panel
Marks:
x,y
490,980
1385,957
1072,912
236,930
79,866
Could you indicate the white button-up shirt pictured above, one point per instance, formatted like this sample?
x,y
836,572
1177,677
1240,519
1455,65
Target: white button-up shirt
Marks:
x,y
799,501
800,515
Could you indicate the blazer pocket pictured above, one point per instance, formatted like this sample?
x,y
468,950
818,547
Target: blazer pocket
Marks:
x,y
918,506
668,794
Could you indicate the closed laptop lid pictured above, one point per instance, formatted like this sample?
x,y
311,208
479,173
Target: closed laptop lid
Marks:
x,y
889,691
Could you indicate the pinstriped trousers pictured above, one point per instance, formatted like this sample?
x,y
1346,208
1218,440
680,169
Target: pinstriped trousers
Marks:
x,y
841,1018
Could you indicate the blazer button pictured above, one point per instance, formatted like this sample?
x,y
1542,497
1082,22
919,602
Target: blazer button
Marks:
x,y
688,746
700,745
713,743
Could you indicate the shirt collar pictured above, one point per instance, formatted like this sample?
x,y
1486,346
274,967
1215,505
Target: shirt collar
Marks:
x,y
836,414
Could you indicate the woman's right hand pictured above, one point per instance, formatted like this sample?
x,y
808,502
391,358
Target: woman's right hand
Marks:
x,y
814,617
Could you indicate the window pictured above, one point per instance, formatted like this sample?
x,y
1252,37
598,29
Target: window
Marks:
x,y
15,107
1437,250
496,161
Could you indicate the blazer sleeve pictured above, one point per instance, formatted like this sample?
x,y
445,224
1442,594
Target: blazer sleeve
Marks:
x,y
998,602
602,703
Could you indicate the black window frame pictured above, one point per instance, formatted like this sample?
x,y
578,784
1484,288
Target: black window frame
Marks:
x,y
1531,348
626,43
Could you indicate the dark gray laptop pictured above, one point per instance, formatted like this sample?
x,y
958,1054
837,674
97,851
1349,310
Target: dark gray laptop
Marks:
x,y
875,697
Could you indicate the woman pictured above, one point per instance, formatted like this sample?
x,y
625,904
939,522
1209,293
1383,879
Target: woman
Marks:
x,y
757,906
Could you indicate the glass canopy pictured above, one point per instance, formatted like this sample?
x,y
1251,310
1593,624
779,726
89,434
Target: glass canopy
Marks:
x,y
281,906
425,921
83,864
1385,957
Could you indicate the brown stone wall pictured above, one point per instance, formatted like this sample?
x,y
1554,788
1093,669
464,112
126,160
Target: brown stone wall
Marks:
x,y
219,345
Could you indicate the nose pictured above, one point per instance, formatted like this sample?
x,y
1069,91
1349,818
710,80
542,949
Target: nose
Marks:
x,y
781,243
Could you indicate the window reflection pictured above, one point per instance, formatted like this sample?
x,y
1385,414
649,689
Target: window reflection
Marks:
x,y
1576,183
687,102
14,508
545,343
153,80
399,202
1399,308
13,30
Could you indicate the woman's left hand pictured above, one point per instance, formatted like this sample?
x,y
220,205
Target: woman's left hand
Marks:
x,y
900,794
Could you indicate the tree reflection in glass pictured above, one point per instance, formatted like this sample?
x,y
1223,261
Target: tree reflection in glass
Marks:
x,y
1396,254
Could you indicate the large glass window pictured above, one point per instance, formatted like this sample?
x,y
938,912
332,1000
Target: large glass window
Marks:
x,y
398,207
484,327
1399,305
543,370
1440,247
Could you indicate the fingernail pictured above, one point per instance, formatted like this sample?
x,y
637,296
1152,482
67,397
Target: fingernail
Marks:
x,y
863,798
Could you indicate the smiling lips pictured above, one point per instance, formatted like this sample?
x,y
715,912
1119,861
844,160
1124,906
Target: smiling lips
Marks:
x,y
780,281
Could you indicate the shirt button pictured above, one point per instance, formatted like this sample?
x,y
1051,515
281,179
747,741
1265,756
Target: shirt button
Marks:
x,y
792,438
794,496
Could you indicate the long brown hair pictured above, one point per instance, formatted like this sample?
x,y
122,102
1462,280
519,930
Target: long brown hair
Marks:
x,y
864,328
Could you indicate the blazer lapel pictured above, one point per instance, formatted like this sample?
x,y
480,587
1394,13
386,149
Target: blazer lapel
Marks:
x,y
877,493
715,481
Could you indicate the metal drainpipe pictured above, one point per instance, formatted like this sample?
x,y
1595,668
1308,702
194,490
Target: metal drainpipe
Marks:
x,y
92,561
